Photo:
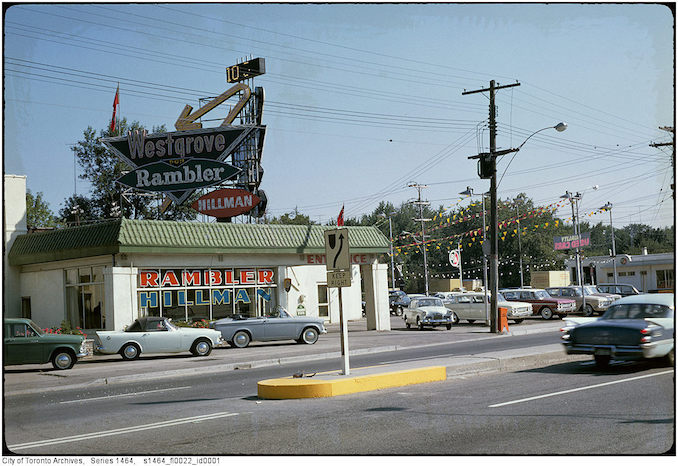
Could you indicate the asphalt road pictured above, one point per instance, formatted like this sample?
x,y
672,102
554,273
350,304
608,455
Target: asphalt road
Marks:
x,y
569,408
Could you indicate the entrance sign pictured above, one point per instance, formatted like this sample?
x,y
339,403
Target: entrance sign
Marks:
x,y
226,203
336,249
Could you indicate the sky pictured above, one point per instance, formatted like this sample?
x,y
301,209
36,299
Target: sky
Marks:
x,y
363,100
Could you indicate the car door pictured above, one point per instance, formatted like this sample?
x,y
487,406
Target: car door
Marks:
x,y
158,338
278,327
22,345
463,307
478,307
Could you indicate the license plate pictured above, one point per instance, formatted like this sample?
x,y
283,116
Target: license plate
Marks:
x,y
602,352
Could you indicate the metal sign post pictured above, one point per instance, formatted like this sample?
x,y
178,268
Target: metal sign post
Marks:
x,y
338,263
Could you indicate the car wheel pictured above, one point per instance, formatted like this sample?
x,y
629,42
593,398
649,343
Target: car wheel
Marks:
x,y
448,326
241,339
670,358
201,347
420,325
407,324
546,313
455,318
130,352
399,311
517,321
602,361
309,336
63,359
588,311
470,321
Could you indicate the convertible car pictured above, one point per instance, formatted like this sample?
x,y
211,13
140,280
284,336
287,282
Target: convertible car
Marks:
x,y
278,325
156,335
635,327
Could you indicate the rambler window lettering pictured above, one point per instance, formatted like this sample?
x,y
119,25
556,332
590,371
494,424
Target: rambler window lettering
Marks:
x,y
194,294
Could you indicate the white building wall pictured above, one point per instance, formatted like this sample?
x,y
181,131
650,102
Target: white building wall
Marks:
x,y
47,293
14,207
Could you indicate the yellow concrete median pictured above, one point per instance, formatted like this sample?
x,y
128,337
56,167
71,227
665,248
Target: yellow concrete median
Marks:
x,y
334,385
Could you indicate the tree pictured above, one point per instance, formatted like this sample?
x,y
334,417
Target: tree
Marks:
x,y
101,168
291,218
38,213
79,210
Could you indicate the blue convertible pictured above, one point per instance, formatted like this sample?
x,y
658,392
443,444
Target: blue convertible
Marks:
x,y
278,325
635,327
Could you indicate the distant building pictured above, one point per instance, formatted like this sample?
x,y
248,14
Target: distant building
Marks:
x,y
646,272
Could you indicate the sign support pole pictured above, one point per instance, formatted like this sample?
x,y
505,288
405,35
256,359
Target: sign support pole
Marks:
x,y
343,327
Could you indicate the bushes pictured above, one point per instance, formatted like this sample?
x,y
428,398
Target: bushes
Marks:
x,y
65,329
202,323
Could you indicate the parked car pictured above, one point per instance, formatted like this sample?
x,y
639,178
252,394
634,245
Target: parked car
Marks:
x,y
594,291
278,325
635,327
427,311
543,304
26,343
397,301
469,306
594,304
156,335
617,288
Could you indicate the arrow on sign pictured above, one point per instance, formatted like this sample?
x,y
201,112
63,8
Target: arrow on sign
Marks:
x,y
341,245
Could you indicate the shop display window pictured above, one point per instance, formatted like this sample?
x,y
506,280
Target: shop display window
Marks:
x,y
85,297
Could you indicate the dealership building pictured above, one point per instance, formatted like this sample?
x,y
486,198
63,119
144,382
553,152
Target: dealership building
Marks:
x,y
106,274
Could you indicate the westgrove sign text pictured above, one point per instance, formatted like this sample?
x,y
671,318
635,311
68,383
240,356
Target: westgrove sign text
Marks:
x,y
571,241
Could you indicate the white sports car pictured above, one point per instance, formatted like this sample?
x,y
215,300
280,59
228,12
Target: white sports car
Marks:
x,y
156,335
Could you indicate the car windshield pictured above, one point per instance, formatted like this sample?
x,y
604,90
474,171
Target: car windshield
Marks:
x,y
542,294
170,325
429,302
637,311
278,312
500,297
589,290
35,328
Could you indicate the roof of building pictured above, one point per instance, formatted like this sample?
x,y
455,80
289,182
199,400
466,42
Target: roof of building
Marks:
x,y
170,237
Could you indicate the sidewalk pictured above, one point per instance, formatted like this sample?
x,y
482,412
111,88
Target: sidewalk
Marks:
x,y
109,369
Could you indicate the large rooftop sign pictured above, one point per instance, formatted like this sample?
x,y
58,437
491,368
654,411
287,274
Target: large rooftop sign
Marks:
x,y
177,163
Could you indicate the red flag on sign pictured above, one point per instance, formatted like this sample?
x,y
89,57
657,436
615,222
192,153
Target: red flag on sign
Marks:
x,y
116,102
340,219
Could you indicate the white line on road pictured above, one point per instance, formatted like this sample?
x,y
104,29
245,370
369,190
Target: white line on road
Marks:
x,y
126,430
123,395
579,389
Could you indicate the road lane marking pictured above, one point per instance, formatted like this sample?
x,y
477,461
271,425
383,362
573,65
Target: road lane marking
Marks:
x,y
125,430
579,389
123,395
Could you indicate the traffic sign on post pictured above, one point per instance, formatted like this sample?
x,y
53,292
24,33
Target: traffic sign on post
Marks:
x,y
338,278
337,256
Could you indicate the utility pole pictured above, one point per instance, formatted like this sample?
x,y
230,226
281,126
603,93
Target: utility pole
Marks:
x,y
673,156
487,165
423,220
520,249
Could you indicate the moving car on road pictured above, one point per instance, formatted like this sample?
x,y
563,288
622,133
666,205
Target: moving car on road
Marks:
x,y
26,343
470,306
427,311
543,304
635,327
594,304
278,325
156,335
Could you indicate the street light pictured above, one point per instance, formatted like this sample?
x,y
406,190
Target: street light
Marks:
x,y
390,232
608,207
469,192
574,201
422,248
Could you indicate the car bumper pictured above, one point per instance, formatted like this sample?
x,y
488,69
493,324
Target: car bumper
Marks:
x,y
436,322
519,314
646,350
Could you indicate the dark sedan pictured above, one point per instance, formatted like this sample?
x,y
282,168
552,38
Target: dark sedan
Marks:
x,y
635,327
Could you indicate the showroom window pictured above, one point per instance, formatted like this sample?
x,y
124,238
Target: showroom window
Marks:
x,y
85,297
196,294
